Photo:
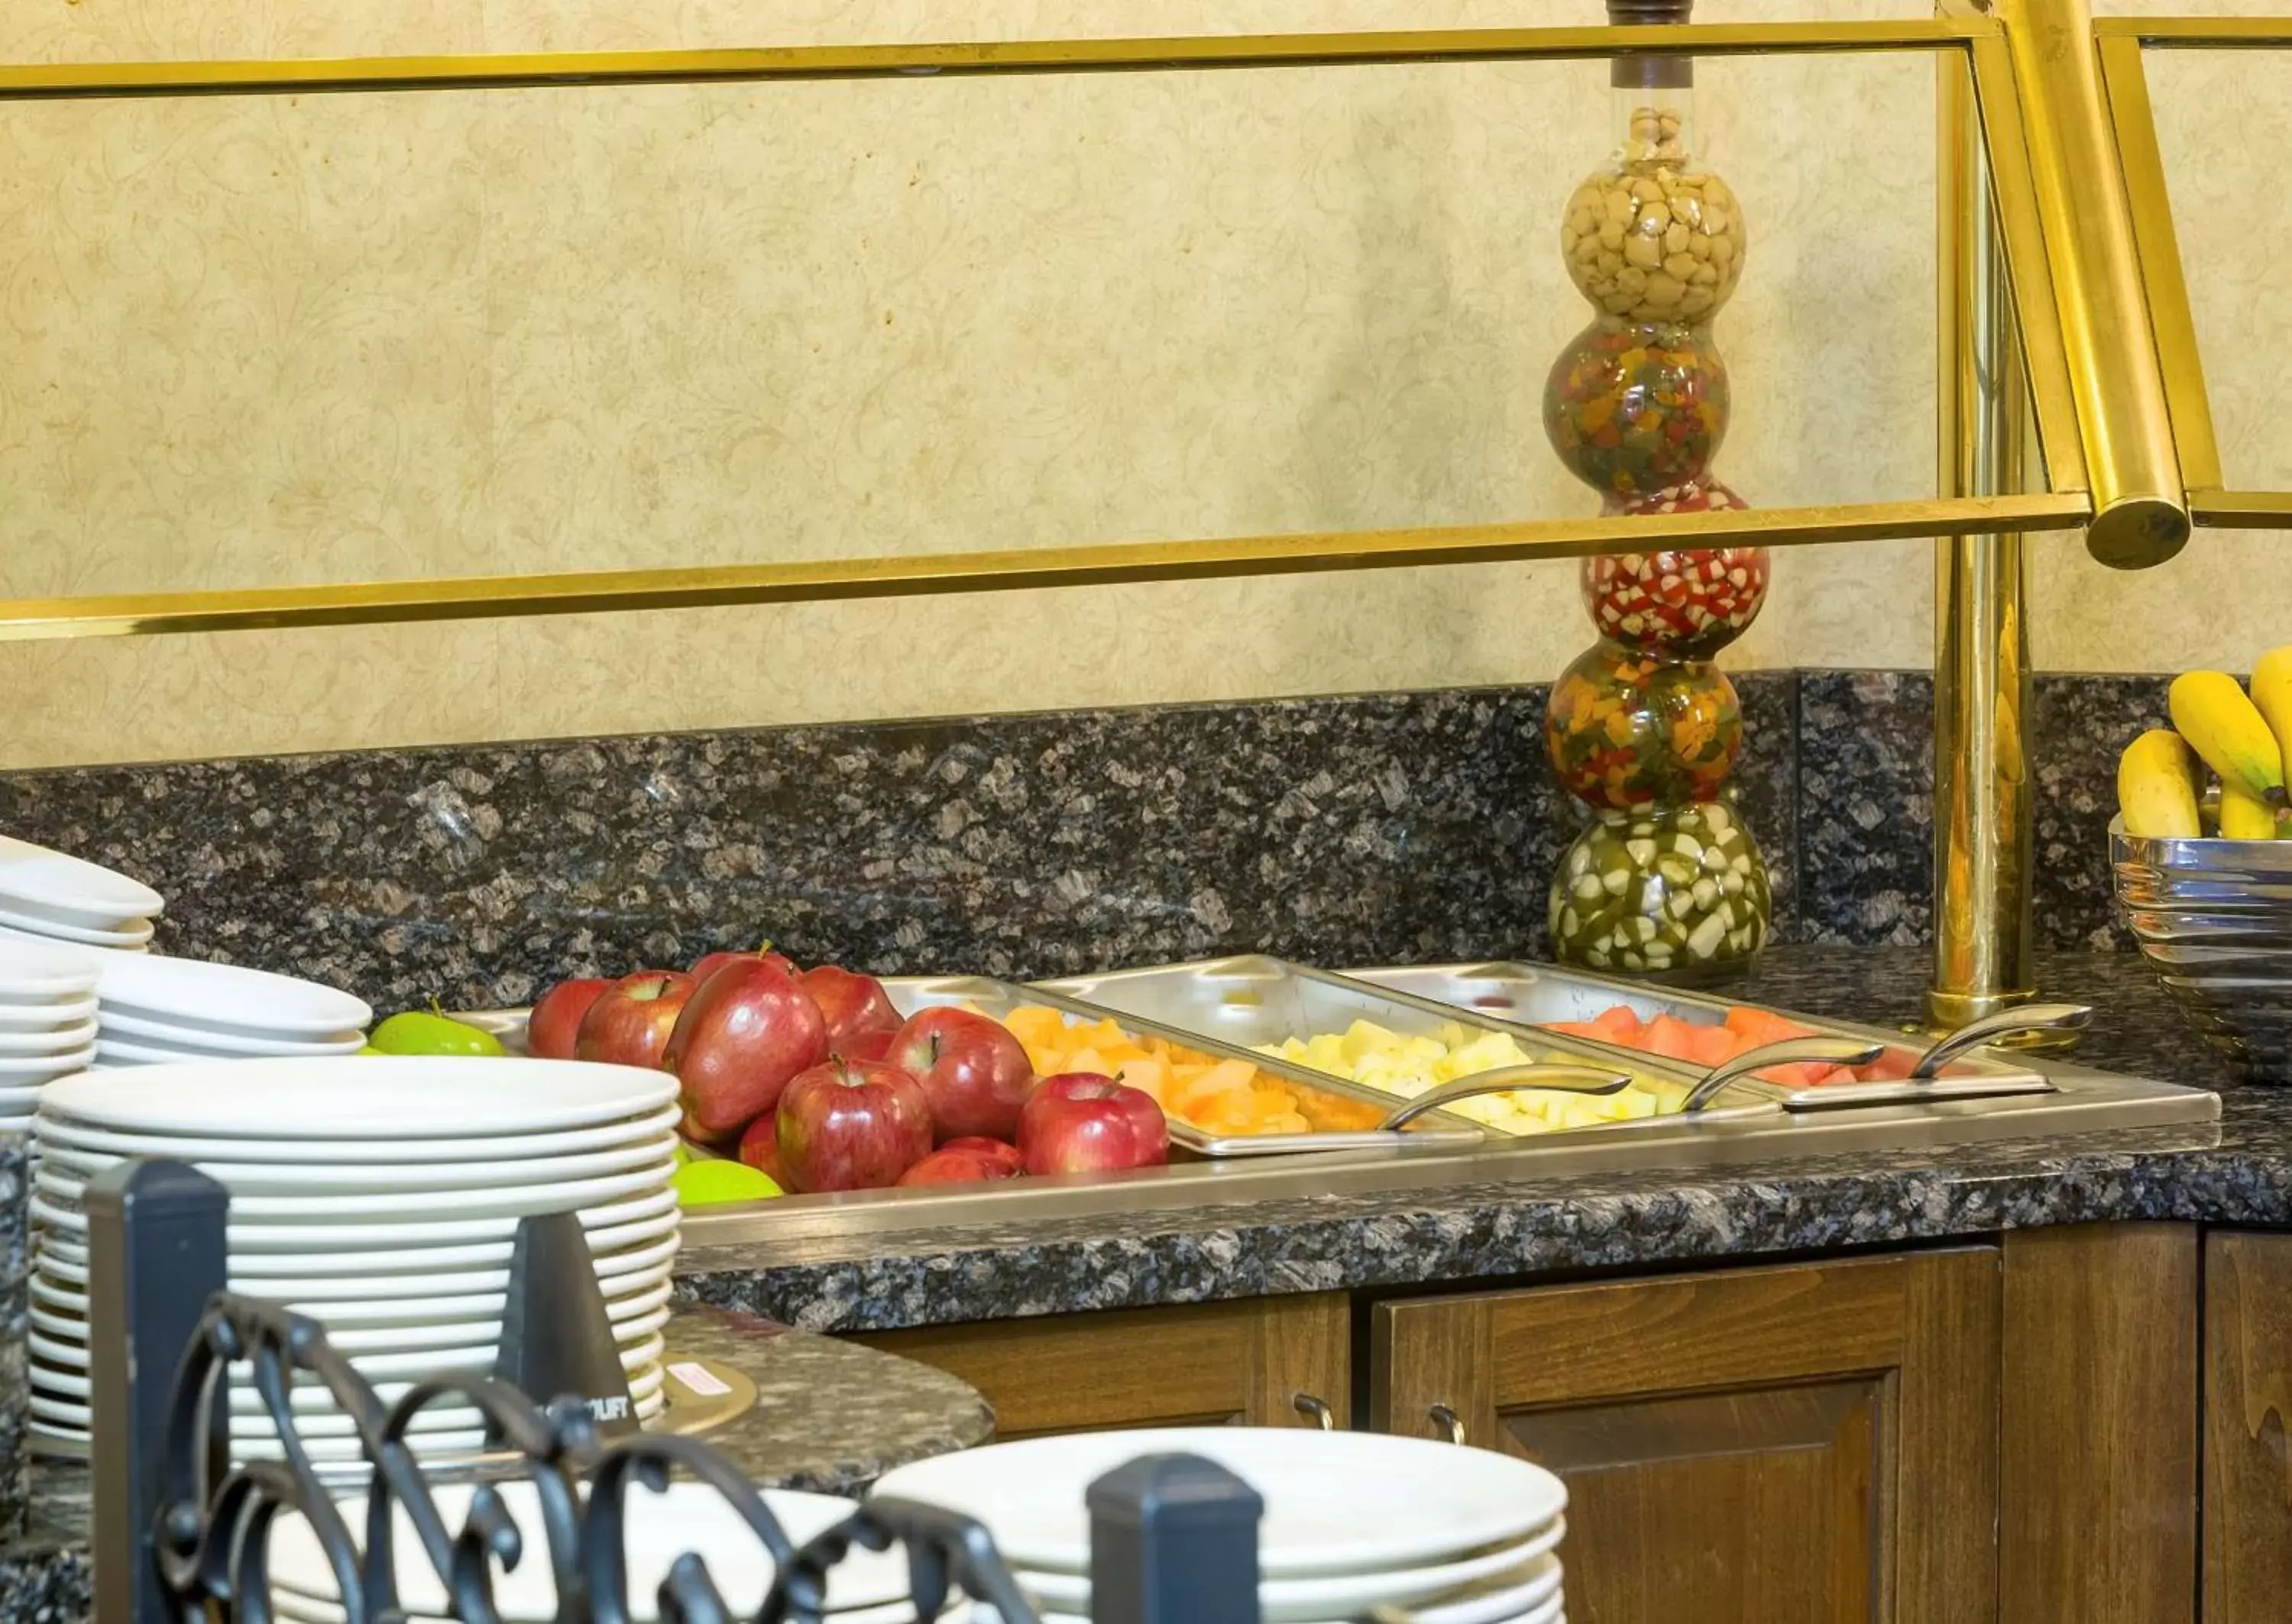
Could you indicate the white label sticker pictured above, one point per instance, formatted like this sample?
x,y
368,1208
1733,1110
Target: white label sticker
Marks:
x,y
696,1379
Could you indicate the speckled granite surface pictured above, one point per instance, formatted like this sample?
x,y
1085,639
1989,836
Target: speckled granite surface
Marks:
x,y
2239,1173
15,1388
1866,802
830,1416
1342,830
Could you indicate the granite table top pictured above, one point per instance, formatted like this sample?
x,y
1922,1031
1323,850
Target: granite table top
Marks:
x,y
830,1416
2238,1172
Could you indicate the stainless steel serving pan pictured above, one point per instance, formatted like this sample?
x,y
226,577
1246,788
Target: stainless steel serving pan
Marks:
x,y
1435,1130
1254,999
1535,996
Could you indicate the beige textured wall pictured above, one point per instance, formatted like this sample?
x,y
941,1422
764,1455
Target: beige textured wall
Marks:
x,y
344,337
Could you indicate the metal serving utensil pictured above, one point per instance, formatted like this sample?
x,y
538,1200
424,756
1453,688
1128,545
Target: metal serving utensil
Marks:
x,y
1562,1079
1837,1051
1989,1028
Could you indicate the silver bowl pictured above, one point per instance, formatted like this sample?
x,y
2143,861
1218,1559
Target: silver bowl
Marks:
x,y
2215,918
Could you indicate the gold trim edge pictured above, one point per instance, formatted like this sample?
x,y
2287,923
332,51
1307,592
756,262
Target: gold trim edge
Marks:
x,y
2169,32
20,81
2242,509
368,603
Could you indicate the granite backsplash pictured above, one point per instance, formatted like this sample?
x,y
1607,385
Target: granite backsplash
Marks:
x,y
1338,829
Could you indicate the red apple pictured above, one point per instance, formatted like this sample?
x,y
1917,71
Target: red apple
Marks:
x,y
708,964
997,1151
851,1125
973,1072
555,1027
629,1022
1081,1122
760,1148
749,1028
952,1166
865,1046
853,1004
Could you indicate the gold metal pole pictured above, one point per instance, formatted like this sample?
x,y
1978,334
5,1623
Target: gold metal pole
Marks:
x,y
1982,809
2140,514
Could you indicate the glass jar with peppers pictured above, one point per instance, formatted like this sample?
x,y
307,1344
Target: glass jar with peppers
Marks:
x,y
1637,408
1630,731
1642,726
1685,603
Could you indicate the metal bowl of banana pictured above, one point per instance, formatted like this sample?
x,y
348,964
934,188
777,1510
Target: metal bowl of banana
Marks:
x,y
2214,916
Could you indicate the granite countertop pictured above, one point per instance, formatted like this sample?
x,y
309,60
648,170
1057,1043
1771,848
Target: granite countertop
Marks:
x,y
830,1416
2239,1172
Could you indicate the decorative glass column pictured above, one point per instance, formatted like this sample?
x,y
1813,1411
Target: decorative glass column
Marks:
x,y
1642,726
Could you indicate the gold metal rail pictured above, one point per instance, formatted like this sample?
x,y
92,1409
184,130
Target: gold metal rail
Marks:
x,y
2058,243
367,603
1984,821
1059,56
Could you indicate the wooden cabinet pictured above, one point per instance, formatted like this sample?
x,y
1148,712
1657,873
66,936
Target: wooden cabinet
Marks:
x,y
2247,1416
1217,1363
2098,1392
1767,1445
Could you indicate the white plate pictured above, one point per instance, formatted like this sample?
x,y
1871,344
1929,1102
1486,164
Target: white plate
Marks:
x,y
633,1224
367,1096
644,1389
325,1452
57,1129
18,1071
21,1101
166,1052
47,1015
51,928
511,1200
1522,1575
71,1412
651,1292
618,1274
51,879
199,994
660,1527
19,1045
46,972
223,1045
474,1236
277,1179
46,927
1342,1502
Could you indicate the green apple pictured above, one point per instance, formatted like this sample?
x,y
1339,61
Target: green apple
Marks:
x,y
425,1031
710,1182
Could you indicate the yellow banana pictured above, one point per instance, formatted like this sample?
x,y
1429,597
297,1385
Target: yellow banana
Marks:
x,y
2272,691
2244,817
2156,786
2226,728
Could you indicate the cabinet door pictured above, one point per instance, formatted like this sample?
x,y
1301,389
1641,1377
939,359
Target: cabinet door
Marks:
x,y
1216,1364
1769,1445
2247,1428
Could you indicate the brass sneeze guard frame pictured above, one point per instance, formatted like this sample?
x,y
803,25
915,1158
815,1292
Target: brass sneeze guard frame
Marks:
x,y
2120,42
2024,144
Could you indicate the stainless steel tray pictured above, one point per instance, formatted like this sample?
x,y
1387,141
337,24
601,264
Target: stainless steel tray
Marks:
x,y
1434,1132
1538,994
1254,999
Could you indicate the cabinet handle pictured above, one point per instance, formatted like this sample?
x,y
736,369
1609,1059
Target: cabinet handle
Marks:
x,y
1315,1410
1451,1425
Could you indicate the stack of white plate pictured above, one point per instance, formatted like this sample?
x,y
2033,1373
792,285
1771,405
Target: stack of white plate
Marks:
x,y
1354,1520
47,1022
50,896
866,1587
378,1194
160,1011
